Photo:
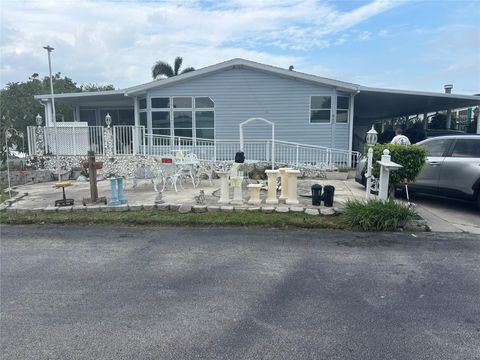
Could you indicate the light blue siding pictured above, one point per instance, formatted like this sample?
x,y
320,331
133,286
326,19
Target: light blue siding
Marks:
x,y
240,94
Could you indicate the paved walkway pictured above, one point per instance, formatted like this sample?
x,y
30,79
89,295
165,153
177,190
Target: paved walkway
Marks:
x,y
441,215
45,194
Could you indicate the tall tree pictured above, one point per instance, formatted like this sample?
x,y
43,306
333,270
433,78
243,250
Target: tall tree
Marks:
x,y
161,68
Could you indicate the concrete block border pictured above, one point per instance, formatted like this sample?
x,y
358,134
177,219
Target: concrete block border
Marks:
x,y
183,208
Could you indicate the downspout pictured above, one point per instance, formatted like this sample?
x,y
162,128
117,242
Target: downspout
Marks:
x,y
350,131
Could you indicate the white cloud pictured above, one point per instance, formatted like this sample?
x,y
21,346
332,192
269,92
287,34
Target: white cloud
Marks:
x,y
365,35
118,42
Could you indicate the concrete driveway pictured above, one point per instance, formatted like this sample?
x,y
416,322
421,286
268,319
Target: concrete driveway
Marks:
x,y
70,292
441,214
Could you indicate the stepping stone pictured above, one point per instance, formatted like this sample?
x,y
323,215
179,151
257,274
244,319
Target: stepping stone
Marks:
x,y
253,208
327,211
163,207
64,209
311,211
268,209
185,209
148,207
135,207
199,208
213,208
281,209
227,208
296,209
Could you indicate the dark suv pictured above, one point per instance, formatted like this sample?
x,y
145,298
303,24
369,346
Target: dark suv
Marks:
x,y
452,168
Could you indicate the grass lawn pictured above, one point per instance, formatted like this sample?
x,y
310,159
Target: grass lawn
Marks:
x,y
4,195
155,217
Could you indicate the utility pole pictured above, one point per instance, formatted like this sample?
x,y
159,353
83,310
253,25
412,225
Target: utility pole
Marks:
x,y
49,50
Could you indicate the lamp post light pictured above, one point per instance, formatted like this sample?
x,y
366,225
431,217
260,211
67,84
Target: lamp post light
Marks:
x,y
38,120
108,120
8,135
371,141
49,50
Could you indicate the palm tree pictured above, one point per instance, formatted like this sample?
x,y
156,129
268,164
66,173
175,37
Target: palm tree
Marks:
x,y
163,68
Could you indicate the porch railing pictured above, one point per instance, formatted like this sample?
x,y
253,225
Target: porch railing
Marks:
x,y
133,140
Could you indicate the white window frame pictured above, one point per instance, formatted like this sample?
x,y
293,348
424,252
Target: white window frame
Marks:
x,y
336,109
172,110
332,106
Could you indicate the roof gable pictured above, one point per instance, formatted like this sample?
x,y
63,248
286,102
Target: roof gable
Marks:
x,y
241,63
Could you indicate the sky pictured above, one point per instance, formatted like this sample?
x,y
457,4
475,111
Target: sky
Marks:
x,y
399,44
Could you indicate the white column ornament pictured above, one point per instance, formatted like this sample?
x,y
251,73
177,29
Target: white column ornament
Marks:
x,y
236,183
224,188
272,186
254,190
283,184
292,186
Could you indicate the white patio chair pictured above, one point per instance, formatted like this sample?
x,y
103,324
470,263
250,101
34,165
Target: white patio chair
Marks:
x,y
170,173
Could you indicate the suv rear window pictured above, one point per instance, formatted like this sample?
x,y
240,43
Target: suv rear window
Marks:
x,y
469,148
437,147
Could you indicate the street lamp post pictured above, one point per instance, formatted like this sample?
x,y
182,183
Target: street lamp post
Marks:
x,y
371,141
49,50
8,135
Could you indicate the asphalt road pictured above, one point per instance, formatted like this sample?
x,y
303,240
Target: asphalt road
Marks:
x,y
71,292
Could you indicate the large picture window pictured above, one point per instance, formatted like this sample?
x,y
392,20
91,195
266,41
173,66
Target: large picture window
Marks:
x,y
343,103
182,123
320,109
161,122
205,124
183,116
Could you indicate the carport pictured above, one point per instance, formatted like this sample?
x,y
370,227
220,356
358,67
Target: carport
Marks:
x,y
373,105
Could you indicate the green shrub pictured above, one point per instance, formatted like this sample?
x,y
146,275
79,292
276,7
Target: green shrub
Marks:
x,y
375,215
411,157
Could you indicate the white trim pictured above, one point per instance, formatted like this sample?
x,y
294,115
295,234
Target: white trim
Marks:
x,y
419,93
350,128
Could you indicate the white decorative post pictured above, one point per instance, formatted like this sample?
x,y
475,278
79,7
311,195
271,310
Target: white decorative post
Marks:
x,y
371,141
283,184
254,190
272,186
224,189
236,183
292,187
385,166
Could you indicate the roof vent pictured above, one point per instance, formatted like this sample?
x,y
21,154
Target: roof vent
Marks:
x,y
448,88
291,67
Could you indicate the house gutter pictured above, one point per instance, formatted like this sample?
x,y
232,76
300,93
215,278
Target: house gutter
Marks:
x,y
350,130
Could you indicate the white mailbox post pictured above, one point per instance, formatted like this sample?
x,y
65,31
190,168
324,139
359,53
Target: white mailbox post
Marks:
x,y
386,165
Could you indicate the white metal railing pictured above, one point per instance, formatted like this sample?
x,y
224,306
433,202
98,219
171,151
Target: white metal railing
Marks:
x,y
68,140
129,140
133,140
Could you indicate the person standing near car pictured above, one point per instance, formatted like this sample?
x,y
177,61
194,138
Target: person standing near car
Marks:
x,y
399,138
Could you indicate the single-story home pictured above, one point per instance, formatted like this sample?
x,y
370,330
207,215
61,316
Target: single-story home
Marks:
x,y
211,102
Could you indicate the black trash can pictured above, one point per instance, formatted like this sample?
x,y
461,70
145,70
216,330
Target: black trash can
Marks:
x,y
316,194
240,157
328,192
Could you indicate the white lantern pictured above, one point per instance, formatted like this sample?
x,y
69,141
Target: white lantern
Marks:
x,y
372,136
39,119
108,119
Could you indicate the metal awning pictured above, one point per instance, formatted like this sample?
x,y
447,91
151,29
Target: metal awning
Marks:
x,y
112,98
375,103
